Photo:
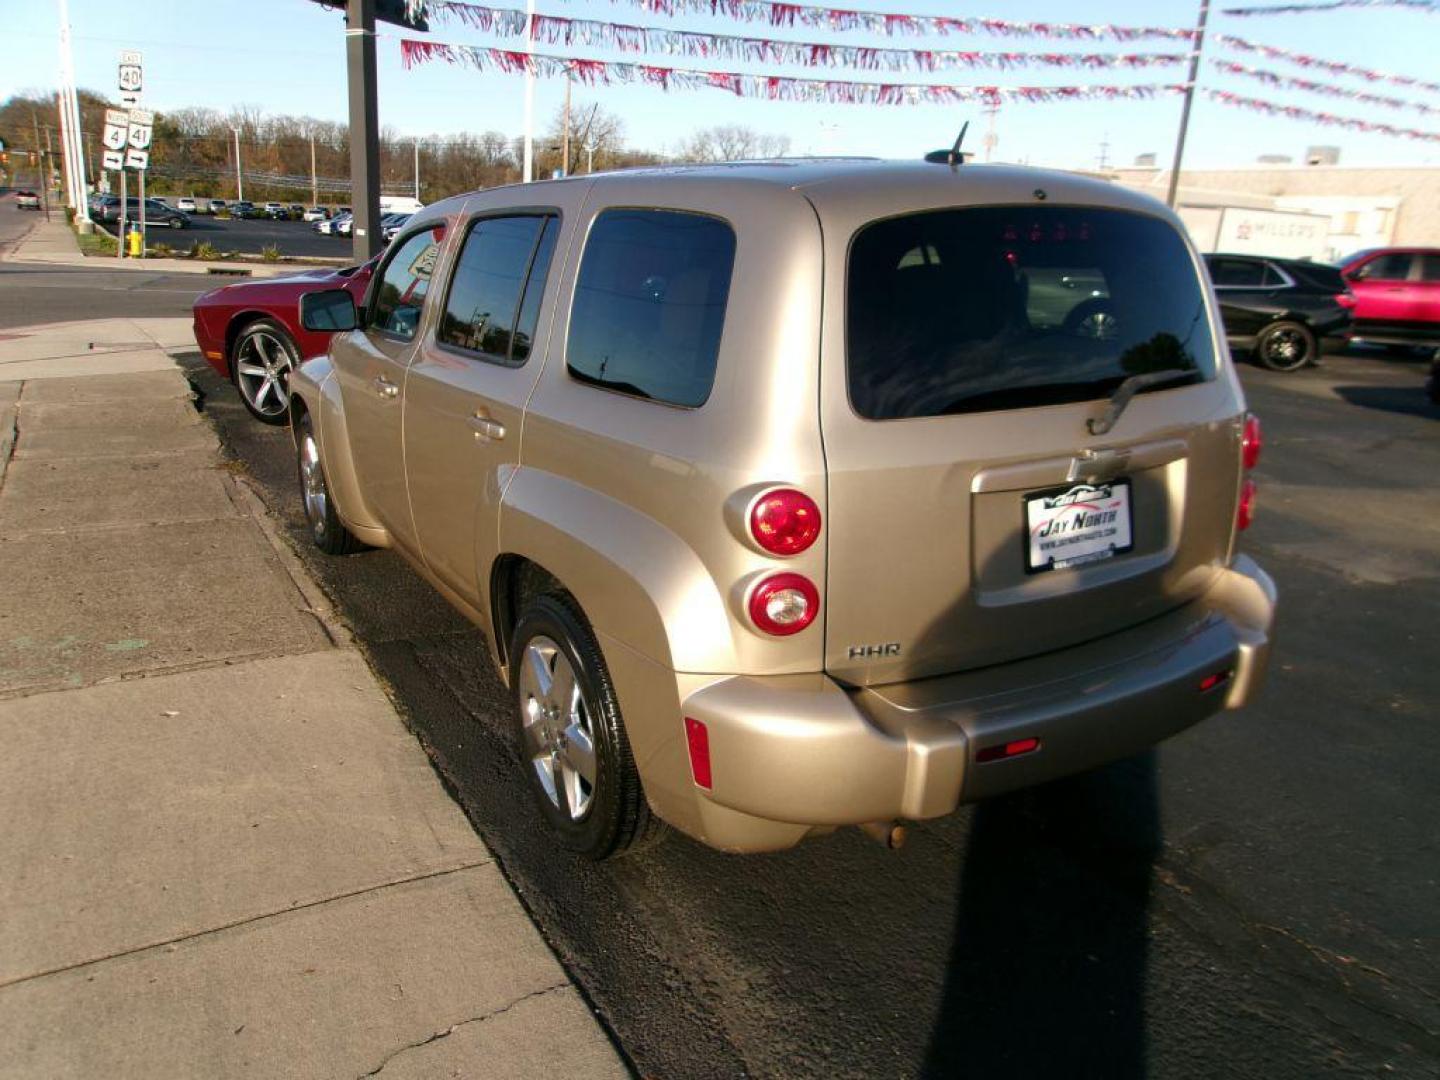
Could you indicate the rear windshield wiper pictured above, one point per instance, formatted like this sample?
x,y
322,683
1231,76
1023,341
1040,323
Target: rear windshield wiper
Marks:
x,y
1129,388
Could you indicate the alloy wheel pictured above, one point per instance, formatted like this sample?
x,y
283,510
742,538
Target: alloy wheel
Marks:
x,y
312,481
262,370
555,719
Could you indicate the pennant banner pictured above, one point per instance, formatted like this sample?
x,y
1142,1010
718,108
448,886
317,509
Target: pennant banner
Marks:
x,y
556,30
1271,79
1293,112
875,22
1332,66
770,87
1426,6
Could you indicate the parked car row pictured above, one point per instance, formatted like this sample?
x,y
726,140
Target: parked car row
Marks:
x,y
106,209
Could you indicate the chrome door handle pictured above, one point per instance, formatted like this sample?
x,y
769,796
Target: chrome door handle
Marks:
x,y
487,430
384,387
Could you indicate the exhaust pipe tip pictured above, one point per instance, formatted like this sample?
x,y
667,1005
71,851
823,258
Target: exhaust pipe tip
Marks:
x,y
888,834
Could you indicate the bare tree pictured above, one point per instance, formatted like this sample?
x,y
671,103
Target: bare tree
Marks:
x,y
733,142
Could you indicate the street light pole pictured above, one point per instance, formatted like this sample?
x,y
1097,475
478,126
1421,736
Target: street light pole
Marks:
x,y
314,183
364,128
529,156
417,168
1197,44
239,176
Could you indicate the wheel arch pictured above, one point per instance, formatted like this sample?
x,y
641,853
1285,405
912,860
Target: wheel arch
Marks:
x,y
236,326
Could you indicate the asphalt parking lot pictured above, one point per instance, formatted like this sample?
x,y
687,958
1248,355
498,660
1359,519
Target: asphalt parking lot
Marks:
x,y
250,235
1256,898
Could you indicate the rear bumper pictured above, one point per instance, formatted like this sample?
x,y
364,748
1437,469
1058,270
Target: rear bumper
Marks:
x,y
803,749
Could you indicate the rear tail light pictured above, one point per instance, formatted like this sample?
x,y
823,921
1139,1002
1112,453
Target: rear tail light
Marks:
x,y
1219,678
785,522
697,739
1346,300
784,604
1245,510
1251,442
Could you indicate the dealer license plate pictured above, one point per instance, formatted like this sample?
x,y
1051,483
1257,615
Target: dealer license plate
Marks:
x,y
1076,525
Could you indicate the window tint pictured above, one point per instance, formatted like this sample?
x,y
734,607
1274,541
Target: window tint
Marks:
x,y
400,293
1237,273
650,304
1386,268
1022,306
1273,278
484,312
1430,268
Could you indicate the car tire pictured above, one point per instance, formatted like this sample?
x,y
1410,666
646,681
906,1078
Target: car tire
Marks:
x,y
1093,318
176,223
568,721
1285,346
262,360
327,531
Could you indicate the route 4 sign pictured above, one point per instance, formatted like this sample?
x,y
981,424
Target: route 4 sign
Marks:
x,y
115,138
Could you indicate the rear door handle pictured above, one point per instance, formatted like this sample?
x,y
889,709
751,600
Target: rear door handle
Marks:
x,y
487,430
384,387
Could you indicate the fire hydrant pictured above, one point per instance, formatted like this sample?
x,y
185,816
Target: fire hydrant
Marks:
x,y
135,240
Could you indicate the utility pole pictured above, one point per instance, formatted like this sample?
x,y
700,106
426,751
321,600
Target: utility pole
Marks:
x,y
565,138
364,128
43,164
529,157
71,135
1196,45
1104,160
417,168
314,183
992,110
239,176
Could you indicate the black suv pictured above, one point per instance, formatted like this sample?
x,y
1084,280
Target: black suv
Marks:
x,y
1280,310
107,209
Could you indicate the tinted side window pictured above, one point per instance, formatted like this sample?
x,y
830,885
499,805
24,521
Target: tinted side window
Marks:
x,y
1386,268
1237,273
1430,268
400,292
491,310
1273,278
650,304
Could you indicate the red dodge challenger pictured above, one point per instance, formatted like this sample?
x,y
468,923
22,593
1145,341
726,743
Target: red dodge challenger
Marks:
x,y
250,333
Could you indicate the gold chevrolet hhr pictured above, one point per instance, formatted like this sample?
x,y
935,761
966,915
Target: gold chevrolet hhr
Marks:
x,y
802,494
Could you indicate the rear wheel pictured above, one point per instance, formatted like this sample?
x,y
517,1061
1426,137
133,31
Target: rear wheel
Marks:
x,y
326,529
1285,346
571,736
264,357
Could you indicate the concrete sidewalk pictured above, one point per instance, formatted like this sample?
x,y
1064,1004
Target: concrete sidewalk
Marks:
x,y
223,853
53,242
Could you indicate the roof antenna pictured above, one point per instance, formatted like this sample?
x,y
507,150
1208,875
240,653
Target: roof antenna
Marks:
x,y
953,156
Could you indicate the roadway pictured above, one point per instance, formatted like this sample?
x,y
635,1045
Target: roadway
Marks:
x,y
1256,898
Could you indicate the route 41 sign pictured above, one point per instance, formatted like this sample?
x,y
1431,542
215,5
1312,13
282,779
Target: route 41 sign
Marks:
x,y
137,152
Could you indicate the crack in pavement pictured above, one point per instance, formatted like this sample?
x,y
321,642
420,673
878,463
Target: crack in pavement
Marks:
x,y
178,939
445,1033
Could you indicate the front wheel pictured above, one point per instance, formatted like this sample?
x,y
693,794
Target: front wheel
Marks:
x,y
176,223
264,357
571,737
1285,346
326,529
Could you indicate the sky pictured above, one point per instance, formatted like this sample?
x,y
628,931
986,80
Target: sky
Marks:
x,y
288,56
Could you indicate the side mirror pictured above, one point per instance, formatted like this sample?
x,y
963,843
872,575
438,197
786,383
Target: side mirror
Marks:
x,y
329,310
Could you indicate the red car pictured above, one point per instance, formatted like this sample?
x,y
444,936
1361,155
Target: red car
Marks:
x,y
1397,295
250,333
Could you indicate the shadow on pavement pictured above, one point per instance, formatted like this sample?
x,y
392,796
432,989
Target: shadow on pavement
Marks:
x,y
1047,961
1409,400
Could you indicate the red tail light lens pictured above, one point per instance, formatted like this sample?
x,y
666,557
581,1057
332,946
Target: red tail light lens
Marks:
x,y
697,739
785,522
1251,443
1346,300
1245,510
784,604
1007,750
